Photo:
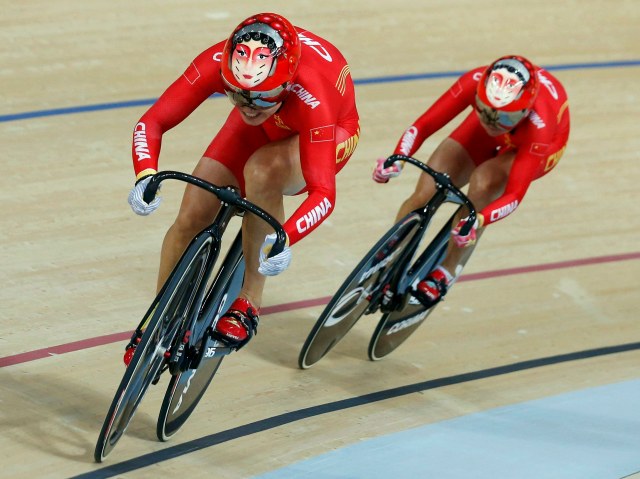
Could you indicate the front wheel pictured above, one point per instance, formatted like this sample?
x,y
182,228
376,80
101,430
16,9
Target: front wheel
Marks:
x,y
166,316
353,298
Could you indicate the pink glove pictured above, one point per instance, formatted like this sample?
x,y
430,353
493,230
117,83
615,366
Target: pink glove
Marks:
x,y
382,174
469,239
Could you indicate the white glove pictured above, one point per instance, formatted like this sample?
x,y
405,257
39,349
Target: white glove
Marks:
x,y
382,174
138,205
276,264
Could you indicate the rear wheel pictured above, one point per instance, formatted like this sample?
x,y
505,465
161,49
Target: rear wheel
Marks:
x,y
352,299
187,388
396,326
171,307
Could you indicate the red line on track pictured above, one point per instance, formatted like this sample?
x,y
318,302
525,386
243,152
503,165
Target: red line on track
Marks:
x,y
280,308
62,349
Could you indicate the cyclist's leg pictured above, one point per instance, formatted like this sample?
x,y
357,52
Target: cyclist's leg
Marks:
x,y
222,165
486,181
473,148
274,171
449,157
271,172
486,184
197,210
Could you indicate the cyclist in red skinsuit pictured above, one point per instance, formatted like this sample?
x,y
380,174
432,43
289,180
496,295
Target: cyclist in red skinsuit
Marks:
x,y
293,127
516,134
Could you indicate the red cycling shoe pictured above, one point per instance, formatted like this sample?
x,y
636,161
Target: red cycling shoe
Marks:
x,y
433,288
238,325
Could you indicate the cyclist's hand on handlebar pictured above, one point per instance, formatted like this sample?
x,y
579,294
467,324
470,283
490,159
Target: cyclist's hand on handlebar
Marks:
x,y
470,238
136,201
276,264
382,174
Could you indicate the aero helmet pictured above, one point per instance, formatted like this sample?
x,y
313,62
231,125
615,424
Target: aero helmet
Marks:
x,y
260,60
506,92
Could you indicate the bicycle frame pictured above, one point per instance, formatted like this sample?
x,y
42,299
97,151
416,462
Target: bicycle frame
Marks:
x,y
384,278
231,203
188,354
174,332
408,271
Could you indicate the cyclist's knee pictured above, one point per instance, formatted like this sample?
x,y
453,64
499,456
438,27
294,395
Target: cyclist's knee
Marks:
x,y
271,166
420,197
188,223
263,173
487,182
259,174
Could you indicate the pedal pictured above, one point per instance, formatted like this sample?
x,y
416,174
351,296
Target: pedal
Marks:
x,y
135,339
388,301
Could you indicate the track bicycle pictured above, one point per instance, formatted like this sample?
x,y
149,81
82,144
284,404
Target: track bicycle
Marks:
x,y
384,278
175,334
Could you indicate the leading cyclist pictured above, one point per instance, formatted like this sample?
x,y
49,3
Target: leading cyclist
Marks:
x,y
293,127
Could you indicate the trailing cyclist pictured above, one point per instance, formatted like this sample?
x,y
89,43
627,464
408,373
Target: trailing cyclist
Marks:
x,y
516,134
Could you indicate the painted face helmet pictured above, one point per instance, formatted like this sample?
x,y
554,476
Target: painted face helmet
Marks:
x,y
260,61
506,93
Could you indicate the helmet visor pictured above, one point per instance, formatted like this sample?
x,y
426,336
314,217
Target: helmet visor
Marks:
x,y
499,119
259,100
238,99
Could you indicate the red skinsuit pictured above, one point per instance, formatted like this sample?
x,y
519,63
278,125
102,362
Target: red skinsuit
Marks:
x,y
320,109
539,140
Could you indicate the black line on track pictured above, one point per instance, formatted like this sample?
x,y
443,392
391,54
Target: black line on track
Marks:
x,y
309,412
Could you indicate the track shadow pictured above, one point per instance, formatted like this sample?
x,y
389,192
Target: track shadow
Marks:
x,y
60,416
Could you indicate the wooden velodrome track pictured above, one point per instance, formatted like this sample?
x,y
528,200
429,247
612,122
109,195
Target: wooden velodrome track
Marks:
x,y
559,277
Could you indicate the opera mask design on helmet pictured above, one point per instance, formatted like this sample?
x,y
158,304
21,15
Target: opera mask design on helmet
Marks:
x,y
251,63
503,87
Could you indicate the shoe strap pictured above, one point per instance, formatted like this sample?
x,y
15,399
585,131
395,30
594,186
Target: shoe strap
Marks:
x,y
247,319
241,310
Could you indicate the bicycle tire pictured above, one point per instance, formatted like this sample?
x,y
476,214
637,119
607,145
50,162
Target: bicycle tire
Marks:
x,y
352,299
158,336
186,388
395,327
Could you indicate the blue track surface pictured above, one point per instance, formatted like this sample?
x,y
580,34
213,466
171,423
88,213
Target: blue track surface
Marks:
x,y
588,434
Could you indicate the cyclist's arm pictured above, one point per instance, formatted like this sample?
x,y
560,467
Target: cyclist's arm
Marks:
x,y
316,124
523,171
199,81
318,159
455,100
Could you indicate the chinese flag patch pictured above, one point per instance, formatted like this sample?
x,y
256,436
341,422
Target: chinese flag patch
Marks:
x,y
323,133
539,148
